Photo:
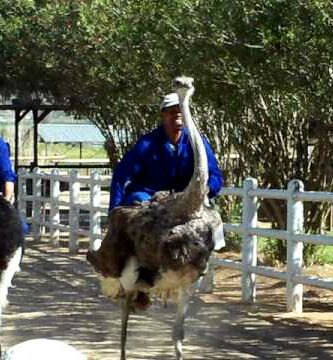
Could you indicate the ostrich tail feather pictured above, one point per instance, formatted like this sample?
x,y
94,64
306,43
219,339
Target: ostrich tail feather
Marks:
x,y
167,287
8,274
112,288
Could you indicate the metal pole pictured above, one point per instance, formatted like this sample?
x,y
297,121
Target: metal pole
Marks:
x,y
35,119
17,122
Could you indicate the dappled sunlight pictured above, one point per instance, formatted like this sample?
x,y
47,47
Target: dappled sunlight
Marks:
x,y
57,296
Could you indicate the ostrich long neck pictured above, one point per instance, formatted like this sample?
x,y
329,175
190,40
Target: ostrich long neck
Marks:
x,y
193,197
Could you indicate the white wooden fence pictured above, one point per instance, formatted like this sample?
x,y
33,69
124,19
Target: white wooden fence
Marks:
x,y
294,234
55,201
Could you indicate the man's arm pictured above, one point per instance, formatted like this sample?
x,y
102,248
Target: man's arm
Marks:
x,y
126,170
7,175
215,180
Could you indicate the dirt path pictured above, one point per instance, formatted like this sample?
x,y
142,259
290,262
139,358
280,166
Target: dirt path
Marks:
x,y
57,296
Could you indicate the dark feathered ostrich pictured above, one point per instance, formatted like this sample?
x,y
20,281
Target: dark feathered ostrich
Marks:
x,y
161,248
11,248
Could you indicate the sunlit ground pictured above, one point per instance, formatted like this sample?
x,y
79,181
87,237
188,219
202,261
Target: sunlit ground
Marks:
x,y
57,296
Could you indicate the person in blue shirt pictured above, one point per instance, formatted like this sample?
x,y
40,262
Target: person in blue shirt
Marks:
x,y
7,175
161,160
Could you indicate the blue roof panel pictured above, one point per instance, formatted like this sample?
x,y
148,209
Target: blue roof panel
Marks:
x,y
70,133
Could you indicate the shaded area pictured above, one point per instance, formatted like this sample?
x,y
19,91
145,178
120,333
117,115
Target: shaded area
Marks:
x,y
57,296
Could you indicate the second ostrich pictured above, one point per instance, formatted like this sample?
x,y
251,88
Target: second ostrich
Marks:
x,y
161,248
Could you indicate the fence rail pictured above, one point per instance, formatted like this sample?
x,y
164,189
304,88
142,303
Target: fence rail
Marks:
x,y
248,228
294,235
52,200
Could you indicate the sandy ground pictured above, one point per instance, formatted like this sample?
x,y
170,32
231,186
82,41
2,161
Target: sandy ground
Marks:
x,y
57,296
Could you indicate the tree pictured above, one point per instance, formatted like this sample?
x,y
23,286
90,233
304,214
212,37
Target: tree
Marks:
x,y
262,69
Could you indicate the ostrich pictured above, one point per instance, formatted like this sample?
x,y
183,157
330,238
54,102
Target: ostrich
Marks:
x,y
11,248
161,248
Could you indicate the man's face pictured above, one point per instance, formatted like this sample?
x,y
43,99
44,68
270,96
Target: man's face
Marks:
x,y
172,119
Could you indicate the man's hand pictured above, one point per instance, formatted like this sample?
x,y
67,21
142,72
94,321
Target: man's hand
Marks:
x,y
9,191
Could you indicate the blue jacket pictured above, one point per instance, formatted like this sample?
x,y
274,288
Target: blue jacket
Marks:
x,y
155,164
6,171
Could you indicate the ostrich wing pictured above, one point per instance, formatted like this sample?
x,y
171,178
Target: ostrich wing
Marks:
x,y
159,241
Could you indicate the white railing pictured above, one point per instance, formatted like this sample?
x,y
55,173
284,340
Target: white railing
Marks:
x,y
294,234
55,201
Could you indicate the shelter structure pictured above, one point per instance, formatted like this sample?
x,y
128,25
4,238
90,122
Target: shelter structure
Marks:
x,y
71,134
39,113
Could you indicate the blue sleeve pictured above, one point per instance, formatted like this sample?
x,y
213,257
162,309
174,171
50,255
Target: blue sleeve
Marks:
x,y
215,180
6,172
125,170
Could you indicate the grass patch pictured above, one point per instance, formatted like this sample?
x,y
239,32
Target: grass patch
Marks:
x,y
270,250
72,151
325,255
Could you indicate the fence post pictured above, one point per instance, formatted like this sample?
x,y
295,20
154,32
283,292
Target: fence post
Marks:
x,y
36,203
54,212
295,218
249,250
43,207
74,212
94,213
22,192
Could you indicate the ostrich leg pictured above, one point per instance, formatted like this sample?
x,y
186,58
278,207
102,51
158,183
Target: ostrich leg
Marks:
x,y
124,322
178,329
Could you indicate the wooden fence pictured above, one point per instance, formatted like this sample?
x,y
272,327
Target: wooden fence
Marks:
x,y
294,235
248,228
46,201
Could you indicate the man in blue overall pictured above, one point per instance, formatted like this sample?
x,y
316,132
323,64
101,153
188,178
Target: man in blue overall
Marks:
x,y
7,175
161,160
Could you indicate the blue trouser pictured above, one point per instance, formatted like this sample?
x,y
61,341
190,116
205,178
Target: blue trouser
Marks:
x,y
25,227
137,196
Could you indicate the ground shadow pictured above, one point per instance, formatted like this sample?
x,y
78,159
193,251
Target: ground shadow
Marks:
x,y
57,296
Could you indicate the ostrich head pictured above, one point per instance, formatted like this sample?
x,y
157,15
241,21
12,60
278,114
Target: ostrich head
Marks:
x,y
184,86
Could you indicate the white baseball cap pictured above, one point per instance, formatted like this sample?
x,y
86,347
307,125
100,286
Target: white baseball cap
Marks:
x,y
169,100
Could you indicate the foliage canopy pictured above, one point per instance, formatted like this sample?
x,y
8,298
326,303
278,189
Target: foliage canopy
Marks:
x,y
263,73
